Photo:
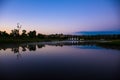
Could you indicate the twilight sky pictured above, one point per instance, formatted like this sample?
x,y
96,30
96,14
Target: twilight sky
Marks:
x,y
60,16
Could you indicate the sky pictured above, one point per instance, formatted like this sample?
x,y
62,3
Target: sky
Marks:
x,y
60,16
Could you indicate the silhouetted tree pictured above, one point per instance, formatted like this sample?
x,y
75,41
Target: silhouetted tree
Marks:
x,y
14,33
24,33
41,36
4,34
32,34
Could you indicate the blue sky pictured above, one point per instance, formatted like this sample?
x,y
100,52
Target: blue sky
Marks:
x,y
60,16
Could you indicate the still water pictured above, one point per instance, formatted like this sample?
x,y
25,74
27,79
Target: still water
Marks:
x,y
58,61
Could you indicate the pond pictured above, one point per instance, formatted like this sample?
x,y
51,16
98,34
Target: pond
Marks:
x,y
53,61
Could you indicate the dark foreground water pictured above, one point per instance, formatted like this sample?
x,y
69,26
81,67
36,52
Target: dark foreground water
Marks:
x,y
58,61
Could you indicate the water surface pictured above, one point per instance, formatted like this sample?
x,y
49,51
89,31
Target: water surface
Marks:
x,y
58,61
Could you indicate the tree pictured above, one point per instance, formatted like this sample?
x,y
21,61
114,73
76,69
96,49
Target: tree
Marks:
x,y
32,34
24,33
4,34
14,33
41,36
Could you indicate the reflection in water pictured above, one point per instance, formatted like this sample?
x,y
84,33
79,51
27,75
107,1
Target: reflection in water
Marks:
x,y
88,47
16,51
15,48
34,46
24,48
40,46
71,60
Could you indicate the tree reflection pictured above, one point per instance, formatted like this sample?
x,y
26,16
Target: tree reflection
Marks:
x,y
24,48
32,47
3,48
16,51
40,45
19,48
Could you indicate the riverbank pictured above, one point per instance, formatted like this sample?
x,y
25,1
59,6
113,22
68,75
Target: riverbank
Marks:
x,y
111,43
29,40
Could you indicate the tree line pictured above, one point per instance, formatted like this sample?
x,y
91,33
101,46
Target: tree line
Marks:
x,y
15,35
31,35
25,36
